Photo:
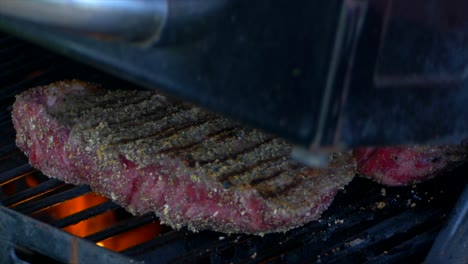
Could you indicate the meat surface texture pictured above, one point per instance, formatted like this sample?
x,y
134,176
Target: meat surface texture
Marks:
x,y
403,165
192,168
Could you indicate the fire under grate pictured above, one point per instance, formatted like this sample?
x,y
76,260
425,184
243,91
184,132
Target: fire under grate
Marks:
x,y
366,223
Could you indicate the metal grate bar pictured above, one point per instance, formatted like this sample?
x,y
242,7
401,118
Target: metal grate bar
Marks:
x,y
379,233
121,227
15,173
162,240
216,246
85,214
31,207
306,247
28,193
7,148
400,253
46,240
309,233
324,232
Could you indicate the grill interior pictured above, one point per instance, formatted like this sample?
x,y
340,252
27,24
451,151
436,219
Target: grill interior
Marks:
x,y
367,222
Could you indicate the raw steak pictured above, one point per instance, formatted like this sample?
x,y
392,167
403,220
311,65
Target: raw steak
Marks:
x,y
192,168
396,166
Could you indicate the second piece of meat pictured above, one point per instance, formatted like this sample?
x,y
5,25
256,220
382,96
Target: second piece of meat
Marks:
x,y
403,165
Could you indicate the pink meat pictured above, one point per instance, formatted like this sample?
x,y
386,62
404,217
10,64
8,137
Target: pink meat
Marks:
x,y
189,167
405,165
44,137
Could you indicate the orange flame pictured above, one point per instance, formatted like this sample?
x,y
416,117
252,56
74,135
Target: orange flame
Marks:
x,y
98,223
81,203
31,181
16,184
101,222
132,237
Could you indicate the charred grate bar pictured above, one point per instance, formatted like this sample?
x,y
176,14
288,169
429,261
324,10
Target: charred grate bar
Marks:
x,y
34,206
45,241
164,240
28,193
380,235
83,215
119,228
7,148
15,173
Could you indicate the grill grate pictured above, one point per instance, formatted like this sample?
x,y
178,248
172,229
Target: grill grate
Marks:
x,y
34,206
83,215
129,224
28,193
366,222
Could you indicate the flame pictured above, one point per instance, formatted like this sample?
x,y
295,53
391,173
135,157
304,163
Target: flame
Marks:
x,y
18,183
132,237
100,222
81,203
31,180
95,224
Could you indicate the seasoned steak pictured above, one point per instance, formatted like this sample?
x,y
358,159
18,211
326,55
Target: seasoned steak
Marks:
x,y
192,168
396,166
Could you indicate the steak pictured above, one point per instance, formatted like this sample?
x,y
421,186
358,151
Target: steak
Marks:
x,y
403,165
190,167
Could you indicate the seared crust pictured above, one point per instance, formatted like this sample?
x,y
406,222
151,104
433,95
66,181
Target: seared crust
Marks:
x,y
189,166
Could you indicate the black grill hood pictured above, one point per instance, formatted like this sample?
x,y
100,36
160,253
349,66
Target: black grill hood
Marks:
x,y
323,74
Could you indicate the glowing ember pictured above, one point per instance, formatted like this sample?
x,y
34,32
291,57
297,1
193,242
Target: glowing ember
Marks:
x,y
101,222
132,237
17,184
91,225
78,204
31,180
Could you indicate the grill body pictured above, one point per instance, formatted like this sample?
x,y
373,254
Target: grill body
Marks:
x,y
366,222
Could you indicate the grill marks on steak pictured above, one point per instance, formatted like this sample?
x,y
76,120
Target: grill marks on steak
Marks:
x,y
192,168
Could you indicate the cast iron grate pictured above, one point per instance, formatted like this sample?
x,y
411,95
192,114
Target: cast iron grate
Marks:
x,y
366,223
